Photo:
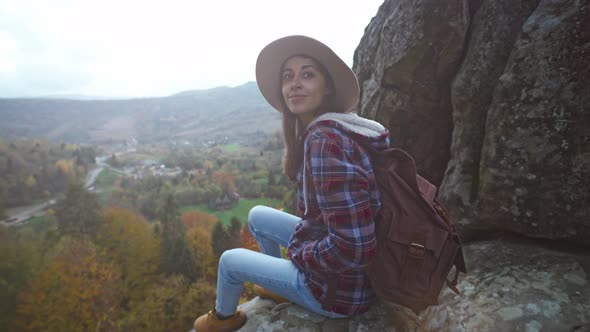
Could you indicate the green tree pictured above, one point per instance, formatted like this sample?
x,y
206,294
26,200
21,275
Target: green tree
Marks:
x,y
289,201
235,227
148,205
87,155
271,178
21,253
218,238
176,257
78,214
113,161
223,239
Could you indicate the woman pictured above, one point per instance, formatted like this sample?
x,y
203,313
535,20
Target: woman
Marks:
x,y
334,239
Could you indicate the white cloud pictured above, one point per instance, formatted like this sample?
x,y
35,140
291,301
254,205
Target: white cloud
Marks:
x,y
157,47
7,54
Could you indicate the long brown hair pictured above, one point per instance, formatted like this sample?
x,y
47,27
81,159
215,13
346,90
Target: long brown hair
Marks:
x,y
293,129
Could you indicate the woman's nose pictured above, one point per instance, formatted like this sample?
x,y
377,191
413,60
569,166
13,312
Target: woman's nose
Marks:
x,y
295,83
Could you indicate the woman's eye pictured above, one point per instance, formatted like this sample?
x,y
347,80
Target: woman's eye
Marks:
x,y
287,76
308,74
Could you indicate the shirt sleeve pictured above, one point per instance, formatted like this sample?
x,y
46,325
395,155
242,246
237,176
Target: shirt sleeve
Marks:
x,y
342,189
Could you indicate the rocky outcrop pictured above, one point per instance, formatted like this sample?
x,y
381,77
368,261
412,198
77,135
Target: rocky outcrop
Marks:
x,y
535,166
405,63
512,287
266,316
495,28
491,98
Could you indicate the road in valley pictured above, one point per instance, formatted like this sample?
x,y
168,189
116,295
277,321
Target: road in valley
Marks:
x,y
18,215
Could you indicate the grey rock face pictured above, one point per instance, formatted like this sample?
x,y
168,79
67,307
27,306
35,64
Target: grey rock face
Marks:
x,y
496,92
266,316
494,29
515,287
511,287
405,62
535,166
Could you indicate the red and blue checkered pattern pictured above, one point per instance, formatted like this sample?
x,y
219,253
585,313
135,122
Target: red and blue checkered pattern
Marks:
x,y
336,238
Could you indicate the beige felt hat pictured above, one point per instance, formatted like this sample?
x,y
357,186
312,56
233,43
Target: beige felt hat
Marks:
x,y
273,56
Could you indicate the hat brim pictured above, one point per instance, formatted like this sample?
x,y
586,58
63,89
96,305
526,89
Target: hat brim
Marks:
x,y
273,56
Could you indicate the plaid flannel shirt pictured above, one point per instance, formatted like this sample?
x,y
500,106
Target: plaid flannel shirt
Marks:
x,y
336,237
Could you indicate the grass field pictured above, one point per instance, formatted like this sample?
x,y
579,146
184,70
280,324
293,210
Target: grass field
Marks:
x,y
39,223
231,148
106,180
138,156
239,211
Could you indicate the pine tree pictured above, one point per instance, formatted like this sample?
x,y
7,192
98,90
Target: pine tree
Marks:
x,y
271,178
78,214
218,238
223,239
176,257
234,232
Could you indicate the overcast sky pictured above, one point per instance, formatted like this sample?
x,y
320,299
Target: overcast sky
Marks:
x,y
155,48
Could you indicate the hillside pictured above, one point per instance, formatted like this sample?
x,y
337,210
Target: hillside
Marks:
x,y
200,115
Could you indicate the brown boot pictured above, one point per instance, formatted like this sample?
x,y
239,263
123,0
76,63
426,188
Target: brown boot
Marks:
x,y
265,294
210,323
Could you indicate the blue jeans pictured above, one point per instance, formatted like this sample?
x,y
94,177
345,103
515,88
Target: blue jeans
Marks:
x,y
268,269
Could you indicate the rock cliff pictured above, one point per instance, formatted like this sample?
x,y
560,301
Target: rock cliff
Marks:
x,y
491,98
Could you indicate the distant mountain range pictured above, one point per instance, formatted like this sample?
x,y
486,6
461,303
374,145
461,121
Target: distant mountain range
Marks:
x,y
200,115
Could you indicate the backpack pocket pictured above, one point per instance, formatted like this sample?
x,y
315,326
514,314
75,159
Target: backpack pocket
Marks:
x,y
419,252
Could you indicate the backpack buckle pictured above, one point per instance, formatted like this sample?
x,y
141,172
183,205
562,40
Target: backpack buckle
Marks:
x,y
416,250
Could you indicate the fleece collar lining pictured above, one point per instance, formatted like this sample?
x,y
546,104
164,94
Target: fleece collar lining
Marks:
x,y
354,123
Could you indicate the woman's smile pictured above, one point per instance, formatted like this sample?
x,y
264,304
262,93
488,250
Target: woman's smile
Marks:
x,y
296,98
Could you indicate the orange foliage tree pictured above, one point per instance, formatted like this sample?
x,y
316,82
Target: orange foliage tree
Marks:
x,y
198,219
66,166
74,292
225,181
127,239
199,225
170,305
248,240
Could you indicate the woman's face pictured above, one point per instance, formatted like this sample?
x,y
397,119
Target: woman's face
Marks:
x,y
303,85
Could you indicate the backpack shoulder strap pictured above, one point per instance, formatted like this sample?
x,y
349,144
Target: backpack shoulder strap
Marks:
x,y
397,160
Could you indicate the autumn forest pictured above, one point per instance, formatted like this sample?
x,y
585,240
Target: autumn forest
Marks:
x,y
137,250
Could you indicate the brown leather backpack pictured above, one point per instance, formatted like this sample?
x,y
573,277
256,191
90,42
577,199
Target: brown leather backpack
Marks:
x,y
417,243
